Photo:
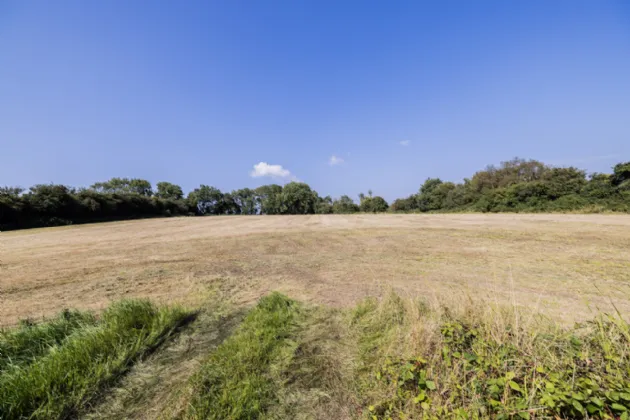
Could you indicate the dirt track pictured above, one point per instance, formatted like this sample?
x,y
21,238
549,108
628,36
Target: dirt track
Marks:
x,y
564,265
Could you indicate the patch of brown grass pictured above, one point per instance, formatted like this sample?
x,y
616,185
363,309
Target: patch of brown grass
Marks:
x,y
565,265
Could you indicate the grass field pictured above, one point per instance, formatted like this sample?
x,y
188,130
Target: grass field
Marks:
x,y
379,316
567,266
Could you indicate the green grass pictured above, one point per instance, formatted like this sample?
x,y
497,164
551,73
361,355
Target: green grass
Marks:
x,y
63,380
238,379
394,358
473,362
20,346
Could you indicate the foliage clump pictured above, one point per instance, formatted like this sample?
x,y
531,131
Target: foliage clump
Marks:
x,y
469,367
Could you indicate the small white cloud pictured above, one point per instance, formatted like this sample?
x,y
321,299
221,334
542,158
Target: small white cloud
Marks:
x,y
335,160
404,143
263,169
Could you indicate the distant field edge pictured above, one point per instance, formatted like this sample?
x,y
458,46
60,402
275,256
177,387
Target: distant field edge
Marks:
x,y
603,212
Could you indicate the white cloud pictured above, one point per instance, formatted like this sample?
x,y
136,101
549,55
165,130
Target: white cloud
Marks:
x,y
335,160
404,143
263,169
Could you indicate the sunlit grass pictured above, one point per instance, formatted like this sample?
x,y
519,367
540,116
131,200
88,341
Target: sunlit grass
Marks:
x,y
476,360
236,381
60,382
20,346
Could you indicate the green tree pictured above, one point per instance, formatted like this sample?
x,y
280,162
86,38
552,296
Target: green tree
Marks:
x,y
169,191
11,191
140,187
51,200
563,181
207,200
297,198
459,197
12,207
245,199
269,199
508,173
433,193
124,186
323,205
374,204
344,205
621,175
599,187
229,205
404,204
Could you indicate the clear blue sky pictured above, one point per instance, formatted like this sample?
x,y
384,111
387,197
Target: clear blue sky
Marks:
x,y
200,92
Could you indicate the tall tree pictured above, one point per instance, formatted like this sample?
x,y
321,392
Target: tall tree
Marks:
x,y
11,191
269,199
207,200
323,205
169,191
245,199
297,198
124,186
621,175
373,204
344,204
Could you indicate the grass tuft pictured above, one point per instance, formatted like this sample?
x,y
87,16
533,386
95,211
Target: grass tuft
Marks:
x,y
236,382
20,346
62,382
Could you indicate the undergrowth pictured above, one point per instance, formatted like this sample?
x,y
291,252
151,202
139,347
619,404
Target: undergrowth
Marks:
x,y
61,382
421,362
395,358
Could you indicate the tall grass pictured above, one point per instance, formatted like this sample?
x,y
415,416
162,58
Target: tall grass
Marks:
x,y
20,346
236,382
419,360
60,383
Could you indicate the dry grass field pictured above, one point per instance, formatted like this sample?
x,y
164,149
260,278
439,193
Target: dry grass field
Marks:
x,y
567,266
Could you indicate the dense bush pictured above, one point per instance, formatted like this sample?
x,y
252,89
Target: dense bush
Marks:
x,y
52,205
373,204
484,362
525,185
344,204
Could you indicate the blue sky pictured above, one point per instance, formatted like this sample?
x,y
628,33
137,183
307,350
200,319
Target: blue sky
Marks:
x,y
200,92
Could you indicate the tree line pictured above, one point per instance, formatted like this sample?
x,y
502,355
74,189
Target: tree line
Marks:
x,y
124,198
513,186
522,185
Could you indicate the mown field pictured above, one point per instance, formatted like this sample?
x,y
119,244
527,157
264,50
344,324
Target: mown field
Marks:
x,y
358,316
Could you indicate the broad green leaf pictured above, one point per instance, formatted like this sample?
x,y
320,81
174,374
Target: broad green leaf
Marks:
x,y
514,386
578,406
618,407
420,397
